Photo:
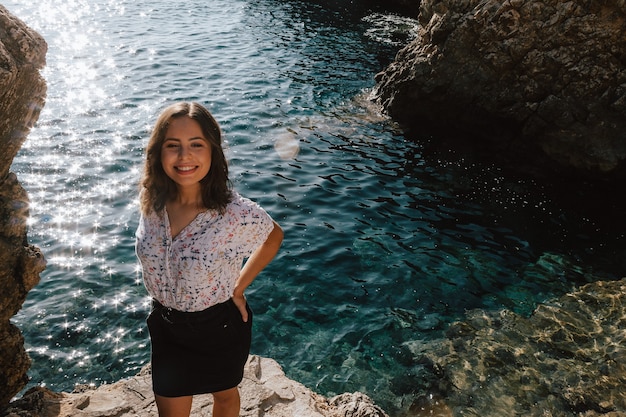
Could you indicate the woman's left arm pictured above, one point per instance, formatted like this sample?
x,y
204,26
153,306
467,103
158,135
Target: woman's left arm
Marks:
x,y
254,265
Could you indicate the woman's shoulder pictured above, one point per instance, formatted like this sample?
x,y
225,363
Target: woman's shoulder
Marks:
x,y
151,219
236,199
241,204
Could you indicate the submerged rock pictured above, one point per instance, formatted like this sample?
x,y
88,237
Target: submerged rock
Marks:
x,y
22,94
525,74
265,391
567,359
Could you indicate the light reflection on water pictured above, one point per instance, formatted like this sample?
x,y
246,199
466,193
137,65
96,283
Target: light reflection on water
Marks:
x,y
387,240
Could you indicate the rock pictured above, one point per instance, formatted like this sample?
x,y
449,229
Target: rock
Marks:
x,y
265,391
23,90
22,95
356,405
567,358
547,77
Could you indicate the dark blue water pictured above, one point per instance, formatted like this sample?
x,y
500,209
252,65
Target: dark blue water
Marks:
x,y
387,238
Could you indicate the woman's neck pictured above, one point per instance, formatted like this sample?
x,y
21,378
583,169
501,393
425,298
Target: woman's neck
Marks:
x,y
187,197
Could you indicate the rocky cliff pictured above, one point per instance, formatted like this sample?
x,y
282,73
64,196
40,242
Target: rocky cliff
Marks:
x,y
22,95
547,76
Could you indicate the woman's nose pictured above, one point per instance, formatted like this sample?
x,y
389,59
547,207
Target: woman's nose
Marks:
x,y
183,152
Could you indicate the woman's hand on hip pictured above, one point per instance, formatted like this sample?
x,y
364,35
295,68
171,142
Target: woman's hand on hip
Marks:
x,y
240,303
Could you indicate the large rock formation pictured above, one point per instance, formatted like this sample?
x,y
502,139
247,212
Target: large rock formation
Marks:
x,y
265,391
526,74
568,358
22,95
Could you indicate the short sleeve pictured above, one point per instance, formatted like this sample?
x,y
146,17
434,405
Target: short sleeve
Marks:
x,y
256,224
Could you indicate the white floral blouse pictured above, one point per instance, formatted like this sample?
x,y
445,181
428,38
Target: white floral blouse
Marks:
x,y
199,267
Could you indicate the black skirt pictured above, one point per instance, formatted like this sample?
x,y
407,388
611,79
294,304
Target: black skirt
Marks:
x,y
198,352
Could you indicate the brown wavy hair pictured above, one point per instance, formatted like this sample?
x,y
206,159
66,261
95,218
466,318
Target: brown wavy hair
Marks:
x,y
157,188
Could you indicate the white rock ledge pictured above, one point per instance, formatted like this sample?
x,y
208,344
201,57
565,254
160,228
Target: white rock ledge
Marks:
x,y
265,392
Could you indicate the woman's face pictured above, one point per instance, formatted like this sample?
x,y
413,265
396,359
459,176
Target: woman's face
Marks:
x,y
185,153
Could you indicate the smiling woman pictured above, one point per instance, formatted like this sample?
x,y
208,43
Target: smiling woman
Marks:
x,y
192,255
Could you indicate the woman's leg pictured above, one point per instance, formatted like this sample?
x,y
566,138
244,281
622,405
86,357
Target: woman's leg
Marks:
x,y
173,406
226,403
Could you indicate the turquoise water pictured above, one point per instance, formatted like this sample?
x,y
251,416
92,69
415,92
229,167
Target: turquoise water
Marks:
x,y
387,238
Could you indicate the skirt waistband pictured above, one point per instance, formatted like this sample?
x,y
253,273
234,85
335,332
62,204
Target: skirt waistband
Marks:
x,y
172,316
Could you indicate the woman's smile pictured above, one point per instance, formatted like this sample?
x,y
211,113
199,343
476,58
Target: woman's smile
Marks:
x,y
186,169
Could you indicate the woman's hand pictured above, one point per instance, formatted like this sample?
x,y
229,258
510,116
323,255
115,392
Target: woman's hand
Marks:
x,y
240,303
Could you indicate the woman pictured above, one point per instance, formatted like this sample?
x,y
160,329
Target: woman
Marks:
x,y
193,236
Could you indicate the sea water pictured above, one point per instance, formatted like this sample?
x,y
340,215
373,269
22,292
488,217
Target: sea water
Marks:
x,y
387,238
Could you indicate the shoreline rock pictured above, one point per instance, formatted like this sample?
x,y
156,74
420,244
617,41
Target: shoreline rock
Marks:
x,y
22,96
265,391
528,77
